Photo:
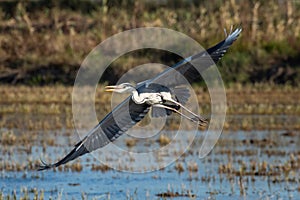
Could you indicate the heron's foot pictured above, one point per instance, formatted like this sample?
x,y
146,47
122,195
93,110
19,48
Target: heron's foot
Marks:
x,y
200,120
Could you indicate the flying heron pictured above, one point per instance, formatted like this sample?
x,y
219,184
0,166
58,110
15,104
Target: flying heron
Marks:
x,y
158,96
161,93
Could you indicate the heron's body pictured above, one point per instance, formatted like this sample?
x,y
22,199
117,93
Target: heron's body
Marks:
x,y
164,98
152,94
150,98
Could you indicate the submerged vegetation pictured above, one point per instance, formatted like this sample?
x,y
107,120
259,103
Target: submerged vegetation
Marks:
x,y
44,42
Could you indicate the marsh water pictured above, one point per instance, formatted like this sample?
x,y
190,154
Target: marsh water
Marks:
x,y
244,164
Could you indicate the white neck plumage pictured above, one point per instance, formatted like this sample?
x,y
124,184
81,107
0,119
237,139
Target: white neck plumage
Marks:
x,y
137,98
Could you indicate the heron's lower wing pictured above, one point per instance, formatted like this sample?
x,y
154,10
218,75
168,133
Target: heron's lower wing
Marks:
x,y
160,112
182,94
123,117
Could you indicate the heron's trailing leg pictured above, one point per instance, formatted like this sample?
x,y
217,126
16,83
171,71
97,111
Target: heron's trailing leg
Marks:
x,y
201,123
198,117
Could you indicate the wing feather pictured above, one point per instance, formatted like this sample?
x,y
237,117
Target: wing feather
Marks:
x,y
181,94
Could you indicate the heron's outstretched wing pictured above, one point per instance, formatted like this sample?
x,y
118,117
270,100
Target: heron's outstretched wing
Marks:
x,y
185,71
123,117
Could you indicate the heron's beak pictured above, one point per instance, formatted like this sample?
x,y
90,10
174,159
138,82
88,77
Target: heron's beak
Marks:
x,y
111,88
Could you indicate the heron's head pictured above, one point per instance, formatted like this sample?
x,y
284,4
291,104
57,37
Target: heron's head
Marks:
x,y
121,88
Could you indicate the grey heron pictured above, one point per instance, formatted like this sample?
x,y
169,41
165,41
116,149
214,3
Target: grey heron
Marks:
x,y
158,96
160,92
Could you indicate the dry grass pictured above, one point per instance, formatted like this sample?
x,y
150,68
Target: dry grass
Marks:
x,y
50,108
42,44
28,111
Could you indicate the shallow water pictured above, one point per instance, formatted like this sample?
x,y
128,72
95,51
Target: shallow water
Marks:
x,y
120,185
205,182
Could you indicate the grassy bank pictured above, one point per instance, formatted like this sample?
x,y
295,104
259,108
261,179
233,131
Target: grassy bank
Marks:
x,y
44,42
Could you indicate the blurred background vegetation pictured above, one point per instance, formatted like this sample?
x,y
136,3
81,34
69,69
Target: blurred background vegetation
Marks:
x,y
44,41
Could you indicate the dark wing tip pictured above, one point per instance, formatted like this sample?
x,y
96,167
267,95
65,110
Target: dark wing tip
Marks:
x,y
233,35
79,150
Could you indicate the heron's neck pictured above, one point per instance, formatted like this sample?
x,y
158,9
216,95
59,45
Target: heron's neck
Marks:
x,y
137,98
